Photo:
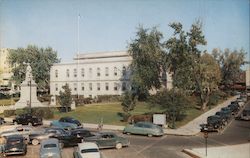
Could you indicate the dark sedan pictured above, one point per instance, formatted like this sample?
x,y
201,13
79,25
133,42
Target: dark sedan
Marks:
x,y
108,140
70,120
15,145
81,133
65,138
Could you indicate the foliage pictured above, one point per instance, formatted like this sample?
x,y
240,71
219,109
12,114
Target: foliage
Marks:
x,y
173,102
40,59
192,70
65,98
148,60
128,104
230,63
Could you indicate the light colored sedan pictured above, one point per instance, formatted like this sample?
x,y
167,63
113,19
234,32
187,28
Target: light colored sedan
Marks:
x,y
144,128
87,150
50,148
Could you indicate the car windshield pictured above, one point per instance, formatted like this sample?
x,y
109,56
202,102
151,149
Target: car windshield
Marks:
x,y
89,150
14,141
50,146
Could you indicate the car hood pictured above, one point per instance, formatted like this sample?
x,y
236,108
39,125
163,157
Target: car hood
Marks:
x,y
91,155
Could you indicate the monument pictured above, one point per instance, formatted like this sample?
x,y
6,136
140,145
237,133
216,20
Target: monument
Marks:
x,y
28,93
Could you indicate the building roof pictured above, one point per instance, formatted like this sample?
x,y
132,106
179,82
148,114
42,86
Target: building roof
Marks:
x,y
99,55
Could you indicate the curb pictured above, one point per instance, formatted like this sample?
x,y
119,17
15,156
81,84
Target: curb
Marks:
x,y
192,153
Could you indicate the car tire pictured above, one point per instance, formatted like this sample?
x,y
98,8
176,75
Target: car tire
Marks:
x,y
118,146
35,142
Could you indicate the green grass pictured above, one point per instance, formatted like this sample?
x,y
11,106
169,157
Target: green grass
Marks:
x,y
7,102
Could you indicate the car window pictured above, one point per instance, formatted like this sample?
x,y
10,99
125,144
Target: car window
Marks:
x,y
50,146
147,126
138,125
89,150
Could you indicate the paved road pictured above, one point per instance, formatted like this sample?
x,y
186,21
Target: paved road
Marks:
x,y
167,146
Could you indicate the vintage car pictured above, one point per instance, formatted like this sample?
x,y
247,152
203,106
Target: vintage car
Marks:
x,y
15,145
108,140
87,150
63,125
214,124
50,148
28,119
64,137
144,128
70,120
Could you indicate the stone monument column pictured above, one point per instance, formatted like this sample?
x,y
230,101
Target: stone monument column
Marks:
x,y
28,96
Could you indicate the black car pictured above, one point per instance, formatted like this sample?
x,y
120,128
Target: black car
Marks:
x,y
234,108
214,123
28,119
15,145
64,137
224,115
81,133
70,120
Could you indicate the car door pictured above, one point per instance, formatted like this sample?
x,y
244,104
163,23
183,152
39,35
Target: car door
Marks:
x,y
138,128
106,141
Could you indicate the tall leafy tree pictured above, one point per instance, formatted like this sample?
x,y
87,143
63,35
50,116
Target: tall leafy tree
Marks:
x,y
65,98
40,59
230,63
148,60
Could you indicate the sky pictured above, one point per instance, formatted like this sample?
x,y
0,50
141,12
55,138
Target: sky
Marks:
x,y
110,25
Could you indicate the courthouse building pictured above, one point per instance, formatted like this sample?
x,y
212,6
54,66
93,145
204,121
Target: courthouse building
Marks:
x,y
90,75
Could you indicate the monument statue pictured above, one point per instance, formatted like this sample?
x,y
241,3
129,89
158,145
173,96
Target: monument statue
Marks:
x,y
28,94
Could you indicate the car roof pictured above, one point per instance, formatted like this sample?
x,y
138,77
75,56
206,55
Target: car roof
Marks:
x,y
87,145
50,141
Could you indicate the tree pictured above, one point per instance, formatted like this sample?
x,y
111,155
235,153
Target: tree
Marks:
x,y
230,63
148,60
128,103
65,98
191,72
173,102
40,59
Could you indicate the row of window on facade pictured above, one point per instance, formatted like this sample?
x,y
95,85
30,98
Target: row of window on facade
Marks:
x,y
98,72
98,86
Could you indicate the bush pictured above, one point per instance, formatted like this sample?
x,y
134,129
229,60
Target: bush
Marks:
x,y
8,113
44,112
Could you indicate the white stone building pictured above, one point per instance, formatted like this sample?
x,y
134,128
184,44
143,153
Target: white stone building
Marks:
x,y
90,75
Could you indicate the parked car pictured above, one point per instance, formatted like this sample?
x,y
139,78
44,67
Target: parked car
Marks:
x,y
234,108
245,115
50,148
2,121
214,123
81,133
25,131
28,119
15,145
71,120
63,125
64,137
108,140
227,109
144,128
225,116
87,150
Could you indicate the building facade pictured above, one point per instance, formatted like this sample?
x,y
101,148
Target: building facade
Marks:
x,y
5,67
90,75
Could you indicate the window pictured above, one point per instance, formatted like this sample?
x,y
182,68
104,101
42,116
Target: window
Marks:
x,y
56,86
106,71
82,85
75,72
98,71
123,71
124,88
115,71
67,72
90,86
56,73
82,72
90,72
75,86
98,86
115,86
107,86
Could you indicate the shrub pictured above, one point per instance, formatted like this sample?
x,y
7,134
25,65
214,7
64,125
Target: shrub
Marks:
x,y
8,113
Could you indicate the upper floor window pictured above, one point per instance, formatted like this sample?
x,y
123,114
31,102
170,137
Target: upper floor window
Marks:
x,y
56,87
106,71
82,85
82,72
90,86
115,71
123,71
56,73
98,86
90,72
67,72
115,86
75,72
107,86
98,71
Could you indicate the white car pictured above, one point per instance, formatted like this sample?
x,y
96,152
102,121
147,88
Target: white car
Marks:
x,y
87,150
